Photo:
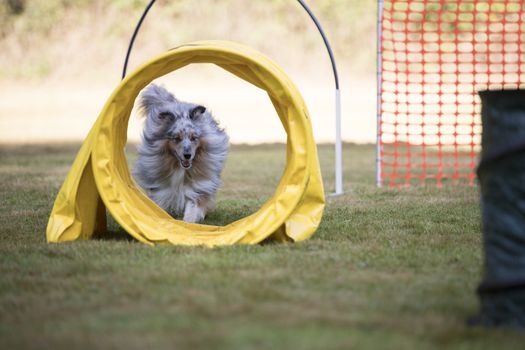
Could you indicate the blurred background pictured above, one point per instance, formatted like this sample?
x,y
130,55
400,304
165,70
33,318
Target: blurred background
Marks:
x,y
61,59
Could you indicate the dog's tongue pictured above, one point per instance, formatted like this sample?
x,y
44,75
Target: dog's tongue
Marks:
x,y
185,163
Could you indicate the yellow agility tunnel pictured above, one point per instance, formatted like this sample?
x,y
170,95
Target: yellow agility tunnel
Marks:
x,y
100,178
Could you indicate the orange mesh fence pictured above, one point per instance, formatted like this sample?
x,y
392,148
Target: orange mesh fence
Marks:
x,y
435,56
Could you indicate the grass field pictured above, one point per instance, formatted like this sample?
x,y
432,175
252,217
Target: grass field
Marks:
x,y
387,269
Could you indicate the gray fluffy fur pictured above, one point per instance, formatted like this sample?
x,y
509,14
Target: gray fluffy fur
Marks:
x,y
181,156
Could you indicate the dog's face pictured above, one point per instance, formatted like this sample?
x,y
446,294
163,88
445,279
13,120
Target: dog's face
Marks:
x,y
184,137
172,122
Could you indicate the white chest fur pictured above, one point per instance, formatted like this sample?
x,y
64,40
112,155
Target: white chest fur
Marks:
x,y
170,193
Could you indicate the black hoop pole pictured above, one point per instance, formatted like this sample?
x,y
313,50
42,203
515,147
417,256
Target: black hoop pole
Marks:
x,y
303,4
325,39
134,36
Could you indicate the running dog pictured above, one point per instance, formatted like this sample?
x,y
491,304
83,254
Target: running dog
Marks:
x,y
181,156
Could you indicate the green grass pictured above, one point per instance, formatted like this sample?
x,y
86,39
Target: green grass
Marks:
x,y
391,269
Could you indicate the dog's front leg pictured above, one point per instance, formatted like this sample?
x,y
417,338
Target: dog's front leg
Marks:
x,y
193,213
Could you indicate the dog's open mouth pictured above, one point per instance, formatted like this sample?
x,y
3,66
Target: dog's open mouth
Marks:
x,y
186,164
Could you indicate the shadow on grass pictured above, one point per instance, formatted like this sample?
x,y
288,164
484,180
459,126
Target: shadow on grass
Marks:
x,y
119,235
229,212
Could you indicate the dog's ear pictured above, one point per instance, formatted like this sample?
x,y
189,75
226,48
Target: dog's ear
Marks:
x,y
197,112
153,98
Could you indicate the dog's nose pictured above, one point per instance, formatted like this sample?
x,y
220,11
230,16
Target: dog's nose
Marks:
x,y
187,155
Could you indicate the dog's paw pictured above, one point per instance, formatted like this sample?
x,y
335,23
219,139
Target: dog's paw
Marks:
x,y
193,213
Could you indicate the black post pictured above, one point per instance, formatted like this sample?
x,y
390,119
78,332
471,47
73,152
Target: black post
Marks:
x,y
501,175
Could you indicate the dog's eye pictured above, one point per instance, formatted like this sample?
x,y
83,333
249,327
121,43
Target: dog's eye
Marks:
x,y
193,138
177,139
166,115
